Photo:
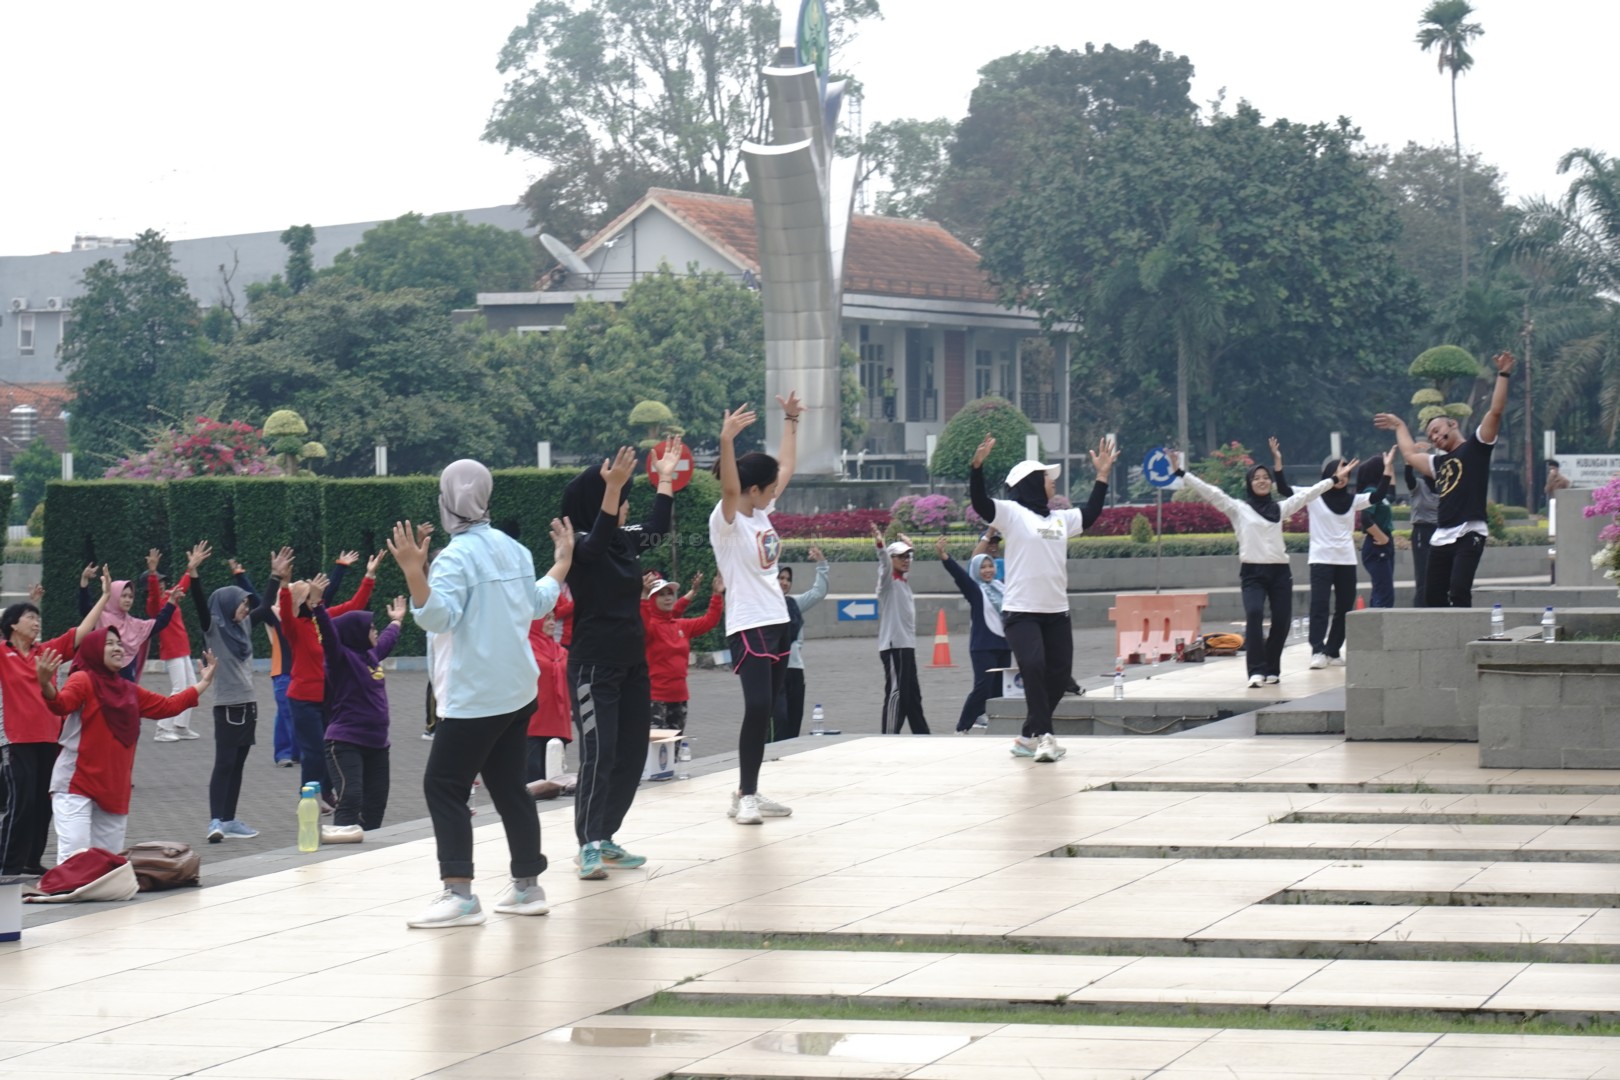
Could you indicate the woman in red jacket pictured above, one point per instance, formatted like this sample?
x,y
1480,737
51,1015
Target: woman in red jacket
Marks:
x,y
669,645
553,713
93,777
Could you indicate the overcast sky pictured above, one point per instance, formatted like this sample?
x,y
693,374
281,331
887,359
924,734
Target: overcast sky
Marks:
x,y
202,119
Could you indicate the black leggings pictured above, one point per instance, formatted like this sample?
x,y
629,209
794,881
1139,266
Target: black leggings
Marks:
x,y
234,727
986,684
1268,583
1421,532
1043,643
613,715
25,804
359,783
902,693
1451,571
759,658
464,748
1329,581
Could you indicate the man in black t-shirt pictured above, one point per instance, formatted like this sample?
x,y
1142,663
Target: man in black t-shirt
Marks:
x,y
1461,471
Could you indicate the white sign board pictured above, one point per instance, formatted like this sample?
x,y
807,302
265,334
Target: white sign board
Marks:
x,y
1590,470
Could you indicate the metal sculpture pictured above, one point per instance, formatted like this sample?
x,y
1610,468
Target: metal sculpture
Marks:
x,y
803,196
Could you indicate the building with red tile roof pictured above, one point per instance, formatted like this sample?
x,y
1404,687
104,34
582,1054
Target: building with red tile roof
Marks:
x,y
924,317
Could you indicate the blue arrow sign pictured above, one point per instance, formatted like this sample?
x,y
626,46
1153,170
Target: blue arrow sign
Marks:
x,y
857,610
1158,469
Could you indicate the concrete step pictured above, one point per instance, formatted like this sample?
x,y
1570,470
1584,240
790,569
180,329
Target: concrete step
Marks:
x,y
1318,714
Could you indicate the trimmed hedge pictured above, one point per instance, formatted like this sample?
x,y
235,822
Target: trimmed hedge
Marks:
x,y
118,521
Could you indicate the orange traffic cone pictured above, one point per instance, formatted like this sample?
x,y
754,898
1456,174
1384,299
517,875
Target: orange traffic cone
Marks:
x,y
1361,603
942,643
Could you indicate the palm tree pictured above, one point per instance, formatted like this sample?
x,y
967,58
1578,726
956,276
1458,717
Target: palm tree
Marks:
x,y
1445,28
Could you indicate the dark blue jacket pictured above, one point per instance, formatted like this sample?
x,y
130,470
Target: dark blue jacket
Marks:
x,y
980,639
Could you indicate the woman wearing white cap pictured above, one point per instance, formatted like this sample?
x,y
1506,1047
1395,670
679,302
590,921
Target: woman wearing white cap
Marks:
x,y
1035,606
897,637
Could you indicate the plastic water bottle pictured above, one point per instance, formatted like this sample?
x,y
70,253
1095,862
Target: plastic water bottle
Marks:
x,y
1499,622
309,818
1549,626
1119,678
554,758
1297,633
818,721
683,760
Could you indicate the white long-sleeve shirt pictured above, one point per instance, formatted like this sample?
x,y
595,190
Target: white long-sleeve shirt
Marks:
x,y
1259,540
1333,541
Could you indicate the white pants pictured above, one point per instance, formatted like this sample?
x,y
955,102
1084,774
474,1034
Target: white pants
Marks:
x,y
81,824
182,674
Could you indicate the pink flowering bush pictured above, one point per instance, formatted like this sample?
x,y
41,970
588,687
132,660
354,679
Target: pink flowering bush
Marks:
x,y
835,524
206,448
1606,500
924,513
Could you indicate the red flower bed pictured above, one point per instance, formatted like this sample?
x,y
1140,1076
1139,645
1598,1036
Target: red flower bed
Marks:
x,y
837,523
1179,517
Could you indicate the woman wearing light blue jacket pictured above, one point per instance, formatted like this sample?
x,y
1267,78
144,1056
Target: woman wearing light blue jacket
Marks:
x,y
478,605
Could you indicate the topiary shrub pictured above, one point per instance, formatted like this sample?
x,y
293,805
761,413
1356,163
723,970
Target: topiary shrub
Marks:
x,y
1443,364
1459,411
1496,521
1141,529
962,434
1428,396
1429,412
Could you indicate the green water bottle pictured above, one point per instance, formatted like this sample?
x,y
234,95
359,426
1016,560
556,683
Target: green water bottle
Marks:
x,y
309,819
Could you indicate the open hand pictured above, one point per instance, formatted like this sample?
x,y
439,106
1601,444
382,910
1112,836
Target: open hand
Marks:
x,y
1103,458
940,549
36,594
719,582
153,557
815,556
562,539
1276,454
347,558
45,665
736,421
1388,422
1389,460
618,470
281,563
374,562
791,405
317,587
236,567
408,545
87,575
1504,362
1346,470
669,460
983,451
396,610
197,556
206,671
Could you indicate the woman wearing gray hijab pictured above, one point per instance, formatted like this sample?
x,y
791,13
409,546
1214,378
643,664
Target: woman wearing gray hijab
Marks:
x,y
227,615
478,604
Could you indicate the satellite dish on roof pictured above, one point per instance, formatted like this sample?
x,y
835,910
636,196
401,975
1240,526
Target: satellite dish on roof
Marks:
x,y
565,255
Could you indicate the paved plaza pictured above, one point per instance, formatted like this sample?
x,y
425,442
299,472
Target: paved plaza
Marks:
x,y
1162,882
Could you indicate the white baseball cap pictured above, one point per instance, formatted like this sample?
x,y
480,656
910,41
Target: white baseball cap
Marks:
x,y
898,547
1024,468
660,583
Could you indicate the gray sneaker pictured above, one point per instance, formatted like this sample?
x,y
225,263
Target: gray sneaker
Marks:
x,y
767,807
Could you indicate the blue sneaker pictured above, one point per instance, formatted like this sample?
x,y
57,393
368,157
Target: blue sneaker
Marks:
x,y
590,862
1023,747
216,831
237,830
615,857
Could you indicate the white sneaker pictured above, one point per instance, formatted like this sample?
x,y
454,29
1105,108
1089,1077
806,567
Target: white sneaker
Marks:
x,y
1048,749
1256,681
187,733
768,807
747,812
1318,661
1272,680
165,736
1335,661
448,909
1022,747
342,834
516,901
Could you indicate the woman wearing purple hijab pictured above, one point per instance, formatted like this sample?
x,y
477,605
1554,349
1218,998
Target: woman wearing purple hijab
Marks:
x,y
357,734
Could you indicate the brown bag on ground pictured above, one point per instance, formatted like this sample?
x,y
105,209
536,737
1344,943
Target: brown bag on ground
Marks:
x,y
164,864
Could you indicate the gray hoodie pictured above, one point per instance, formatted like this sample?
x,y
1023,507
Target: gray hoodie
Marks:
x,y
897,607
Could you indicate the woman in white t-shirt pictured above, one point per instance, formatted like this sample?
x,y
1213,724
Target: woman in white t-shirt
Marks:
x,y
758,631
1035,603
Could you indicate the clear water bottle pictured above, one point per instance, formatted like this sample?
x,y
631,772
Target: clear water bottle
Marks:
x,y
1499,622
554,758
1297,632
1549,626
1119,685
309,818
683,760
818,721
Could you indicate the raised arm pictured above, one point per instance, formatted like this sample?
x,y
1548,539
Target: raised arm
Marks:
x,y
1403,439
978,495
1102,461
1211,494
93,616
1283,487
885,578
657,526
787,455
615,472
1346,470
736,421
1492,424
817,592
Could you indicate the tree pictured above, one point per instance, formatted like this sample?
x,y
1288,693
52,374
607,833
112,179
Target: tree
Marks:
x,y
441,252
32,469
1025,101
615,96
375,367
133,350
1421,181
300,242
1445,29
1577,241
911,155
990,415
1253,260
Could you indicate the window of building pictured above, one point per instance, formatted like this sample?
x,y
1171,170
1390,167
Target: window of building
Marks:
x,y
1038,395
875,376
922,391
25,333
984,373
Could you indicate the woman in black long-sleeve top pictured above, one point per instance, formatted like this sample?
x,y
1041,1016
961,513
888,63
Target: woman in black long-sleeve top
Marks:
x,y
607,663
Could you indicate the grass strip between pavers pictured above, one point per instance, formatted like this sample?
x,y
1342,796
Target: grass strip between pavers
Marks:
x,y
1092,1014
1546,952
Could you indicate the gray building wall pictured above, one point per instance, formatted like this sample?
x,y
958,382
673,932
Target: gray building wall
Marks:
x,y
255,257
